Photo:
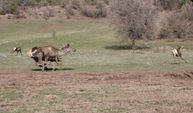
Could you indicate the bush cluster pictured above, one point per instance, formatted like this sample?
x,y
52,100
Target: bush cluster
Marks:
x,y
152,19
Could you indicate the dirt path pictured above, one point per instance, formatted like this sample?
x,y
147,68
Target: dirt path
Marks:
x,y
96,93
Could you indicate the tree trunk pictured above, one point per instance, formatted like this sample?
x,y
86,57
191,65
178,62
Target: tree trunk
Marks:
x,y
133,45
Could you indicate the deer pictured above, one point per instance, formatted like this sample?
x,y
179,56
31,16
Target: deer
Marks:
x,y
42,55
177,53
16,50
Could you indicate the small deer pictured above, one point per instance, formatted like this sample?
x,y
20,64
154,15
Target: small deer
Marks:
x,y
177,53
42,55
16,50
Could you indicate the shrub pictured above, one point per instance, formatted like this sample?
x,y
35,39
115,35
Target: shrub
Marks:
x,y
69,10
179,24
107,2
88,11
48,13
101,10
94,11
8,6
172,4
91,2
169,4
134,19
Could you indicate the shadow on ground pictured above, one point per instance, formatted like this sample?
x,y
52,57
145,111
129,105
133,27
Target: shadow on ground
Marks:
x,y
57,69
177,63
125,47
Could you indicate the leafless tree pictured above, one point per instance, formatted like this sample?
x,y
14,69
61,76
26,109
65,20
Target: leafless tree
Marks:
x,y
134,19
179,24
172,4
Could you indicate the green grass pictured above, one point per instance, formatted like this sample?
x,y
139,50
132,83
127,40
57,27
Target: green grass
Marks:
x,y
96,44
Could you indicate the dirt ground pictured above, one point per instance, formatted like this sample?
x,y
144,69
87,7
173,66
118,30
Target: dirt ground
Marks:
x,y
148,92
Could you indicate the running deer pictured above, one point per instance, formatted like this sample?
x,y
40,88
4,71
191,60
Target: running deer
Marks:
x,y
16,50
42,55
177,53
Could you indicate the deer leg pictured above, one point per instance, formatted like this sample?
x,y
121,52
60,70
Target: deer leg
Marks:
x,y
61,62
53,66
40,62
11,53
174,58
45,62
37,64
56,60
44,66
16,53
20,52
183,59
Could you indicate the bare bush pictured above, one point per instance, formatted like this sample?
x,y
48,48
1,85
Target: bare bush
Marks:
x,y
91,2
107,2
76,4
169,4
101,10
94,11
69,9
179,24
48,13
172,4
134,19
8,6
88,11
187,12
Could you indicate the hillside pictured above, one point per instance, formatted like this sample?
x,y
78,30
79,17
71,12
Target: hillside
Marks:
x,y
66,9
170,19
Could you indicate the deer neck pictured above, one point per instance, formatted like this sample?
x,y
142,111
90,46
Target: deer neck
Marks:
x,y
179,52
61,52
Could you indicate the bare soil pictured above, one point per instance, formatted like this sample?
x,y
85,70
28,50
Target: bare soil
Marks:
x,y
145,92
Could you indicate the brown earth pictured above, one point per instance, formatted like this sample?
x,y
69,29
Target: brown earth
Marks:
x,y
148,92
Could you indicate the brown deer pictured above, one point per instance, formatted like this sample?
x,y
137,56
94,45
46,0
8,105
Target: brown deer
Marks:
x,y
16,50
177,53
42,55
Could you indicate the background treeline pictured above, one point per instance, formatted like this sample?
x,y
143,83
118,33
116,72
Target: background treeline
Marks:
x,y
134,19
90,8
153,19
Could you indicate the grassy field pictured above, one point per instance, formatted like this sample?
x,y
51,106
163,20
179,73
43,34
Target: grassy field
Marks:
x,y
97,45
101,77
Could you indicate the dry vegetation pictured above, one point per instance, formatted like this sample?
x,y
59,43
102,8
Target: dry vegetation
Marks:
x,y
134,19
96,93
153,19
68,8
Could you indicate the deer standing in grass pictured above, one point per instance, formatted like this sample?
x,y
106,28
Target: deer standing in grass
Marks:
x,y
16,50
42,55
177,53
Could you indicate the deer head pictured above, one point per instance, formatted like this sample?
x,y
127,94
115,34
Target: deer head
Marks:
x,y
180,47
68,49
